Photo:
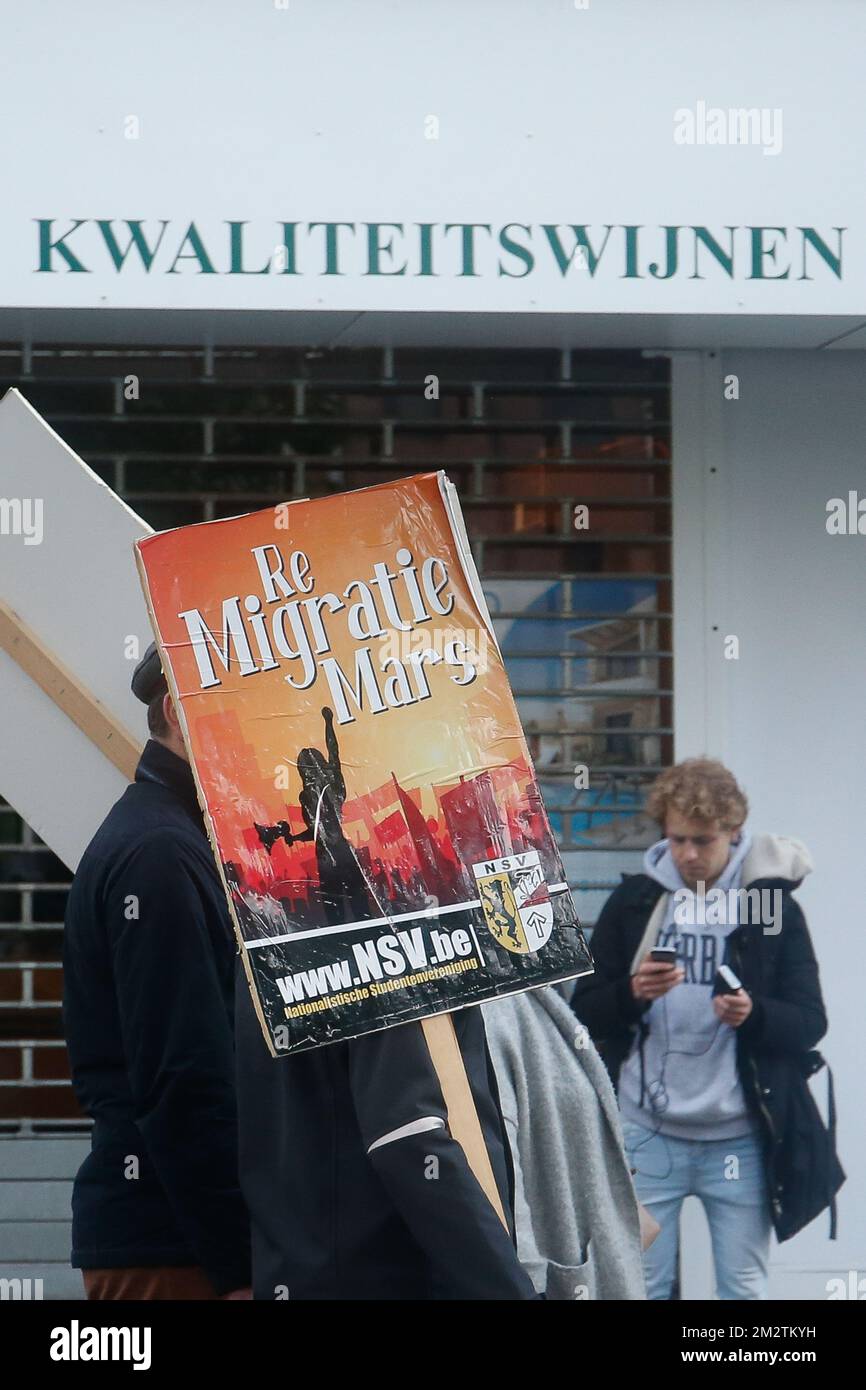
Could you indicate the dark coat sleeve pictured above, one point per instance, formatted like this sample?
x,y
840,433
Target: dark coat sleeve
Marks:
x,y
790,1015
426,1174
178,1044
604,1001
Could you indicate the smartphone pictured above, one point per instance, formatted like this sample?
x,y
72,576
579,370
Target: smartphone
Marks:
x,y
666,955
726,982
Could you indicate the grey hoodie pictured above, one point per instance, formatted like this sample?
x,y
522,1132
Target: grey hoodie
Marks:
x,y
692,1090
575,1209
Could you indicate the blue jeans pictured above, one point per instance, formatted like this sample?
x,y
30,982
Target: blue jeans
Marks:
x,y
729,1177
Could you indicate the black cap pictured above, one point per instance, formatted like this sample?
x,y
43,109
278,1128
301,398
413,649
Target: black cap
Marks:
x,y
147,678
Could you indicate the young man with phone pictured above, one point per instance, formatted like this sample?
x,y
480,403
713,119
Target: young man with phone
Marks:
x,y
704,1003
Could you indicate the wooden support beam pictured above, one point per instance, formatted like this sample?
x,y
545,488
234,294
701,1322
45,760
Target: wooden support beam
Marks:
x,y
67,692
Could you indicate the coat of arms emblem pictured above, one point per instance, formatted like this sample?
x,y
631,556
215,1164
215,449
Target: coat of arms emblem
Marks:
x,y
515,900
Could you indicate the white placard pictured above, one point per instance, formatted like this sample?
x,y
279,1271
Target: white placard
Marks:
x,y
66,569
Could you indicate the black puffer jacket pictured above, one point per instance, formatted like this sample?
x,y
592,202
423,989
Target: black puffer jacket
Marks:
x,y
148,959
780,972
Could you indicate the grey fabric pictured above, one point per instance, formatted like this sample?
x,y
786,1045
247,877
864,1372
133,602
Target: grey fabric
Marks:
x,y
578,1231
777,856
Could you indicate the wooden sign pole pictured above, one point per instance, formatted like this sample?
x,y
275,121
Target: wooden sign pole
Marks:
x,y
463,1120
67,692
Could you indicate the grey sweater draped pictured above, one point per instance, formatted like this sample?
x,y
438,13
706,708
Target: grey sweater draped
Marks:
x,y
578,1230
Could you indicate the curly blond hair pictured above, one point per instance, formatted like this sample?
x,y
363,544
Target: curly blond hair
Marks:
x,y
700,789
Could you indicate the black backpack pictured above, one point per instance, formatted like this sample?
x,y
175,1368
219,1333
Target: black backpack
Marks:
x,y
807,1165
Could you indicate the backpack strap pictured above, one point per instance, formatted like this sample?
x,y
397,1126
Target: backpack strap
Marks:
x,y
831,1144
648,940
642,1033
814,1061
653,927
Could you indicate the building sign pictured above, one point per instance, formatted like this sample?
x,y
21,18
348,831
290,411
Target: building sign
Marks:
x,y
490,162
429,250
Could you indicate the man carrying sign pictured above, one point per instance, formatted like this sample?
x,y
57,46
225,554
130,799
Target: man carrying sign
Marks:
x,y
372,1152
355,1186
148,978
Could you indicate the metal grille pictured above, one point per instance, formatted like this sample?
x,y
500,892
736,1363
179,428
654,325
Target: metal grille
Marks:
x,y
581,601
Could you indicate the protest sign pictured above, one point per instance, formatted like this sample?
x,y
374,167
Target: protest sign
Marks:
x,y
72,625
366,784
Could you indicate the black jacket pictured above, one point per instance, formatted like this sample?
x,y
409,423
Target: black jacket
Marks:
x,y
148,963
336,1215
787,1019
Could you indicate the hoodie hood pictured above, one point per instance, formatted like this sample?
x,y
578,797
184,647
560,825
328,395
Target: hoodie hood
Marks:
x,y
760,857
777,857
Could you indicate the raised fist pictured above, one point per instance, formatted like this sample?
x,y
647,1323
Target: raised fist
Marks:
x,y
327,714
